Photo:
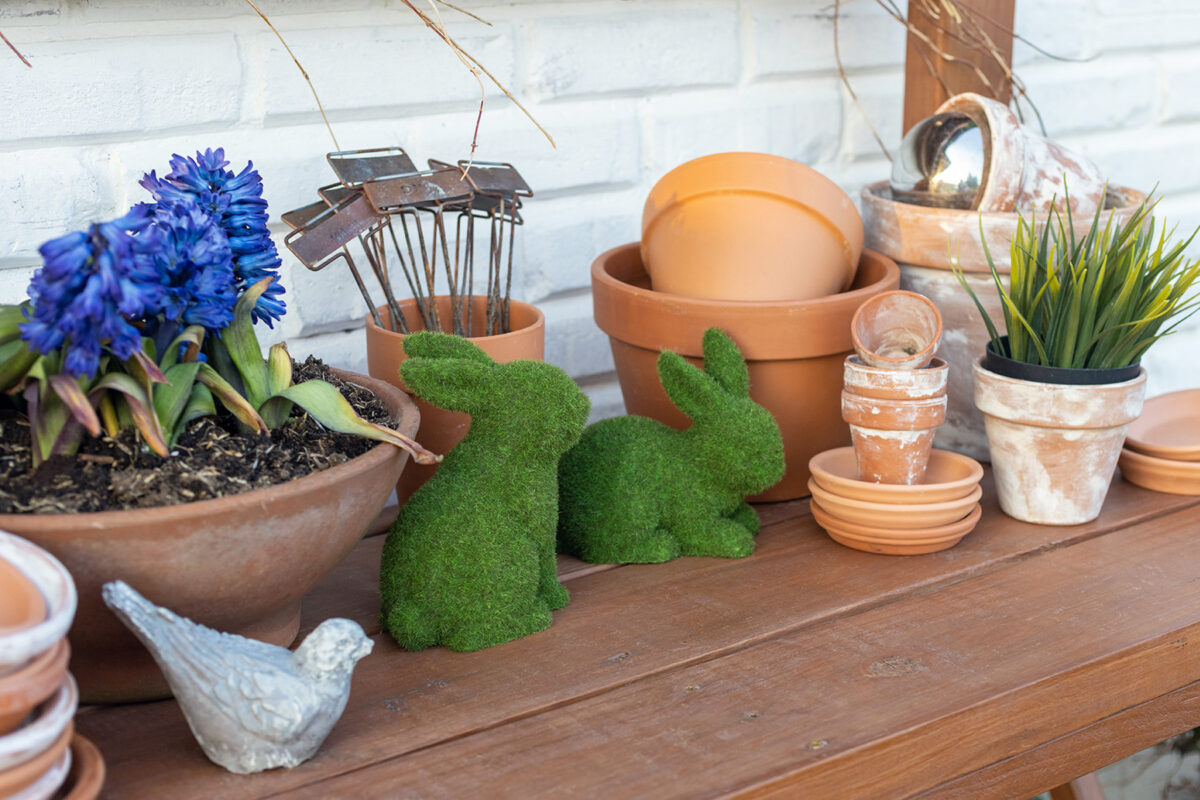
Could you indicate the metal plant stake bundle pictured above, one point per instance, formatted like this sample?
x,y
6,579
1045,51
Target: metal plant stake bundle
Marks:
x,y
381,189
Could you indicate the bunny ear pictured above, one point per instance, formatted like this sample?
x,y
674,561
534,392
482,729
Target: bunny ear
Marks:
x,y
426,344
689,388
724,362
455,384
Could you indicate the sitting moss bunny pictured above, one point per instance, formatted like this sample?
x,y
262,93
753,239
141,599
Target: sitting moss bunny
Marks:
x,y
635,490
470,561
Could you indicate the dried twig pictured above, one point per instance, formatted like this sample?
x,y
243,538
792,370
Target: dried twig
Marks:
x,y
837,55
12,47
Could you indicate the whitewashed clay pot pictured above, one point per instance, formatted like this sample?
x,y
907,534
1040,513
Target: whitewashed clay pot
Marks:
x,y
892,438
43,728
895,384
1055,446
58,590
896,330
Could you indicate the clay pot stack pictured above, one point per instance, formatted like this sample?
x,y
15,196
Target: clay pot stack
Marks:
x,y
40,754
1162,446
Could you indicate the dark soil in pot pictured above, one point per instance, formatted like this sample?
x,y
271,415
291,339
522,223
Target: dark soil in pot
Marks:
x,y
211,459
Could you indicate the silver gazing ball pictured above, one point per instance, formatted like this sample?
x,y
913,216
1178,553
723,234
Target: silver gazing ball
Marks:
x,y
941,162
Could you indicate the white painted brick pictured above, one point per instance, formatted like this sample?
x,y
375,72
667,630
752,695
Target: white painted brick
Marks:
x,y
120,86
880,104
17,13
154,10
1157,25
1141,159
573,341
364,68
792,38
1063,28
1067,94
633,51
343,349
1181,72
14,283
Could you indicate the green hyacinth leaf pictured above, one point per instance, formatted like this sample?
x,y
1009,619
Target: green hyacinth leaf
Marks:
x,y
15,362
200,404
191,337
76,401
171,398
242,344
238,406
10,318
140,408
279,368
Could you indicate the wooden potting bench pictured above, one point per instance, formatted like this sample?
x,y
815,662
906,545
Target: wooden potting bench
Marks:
x,y
1012,663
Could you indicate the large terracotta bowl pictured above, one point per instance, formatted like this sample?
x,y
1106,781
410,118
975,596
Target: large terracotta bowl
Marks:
x,y
794,350
239,564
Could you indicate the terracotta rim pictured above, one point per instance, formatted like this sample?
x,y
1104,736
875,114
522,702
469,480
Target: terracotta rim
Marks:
x,y
901,516
86,777
875,534
1049,405
527,309
914,361
1160,474
46,726
27,773
1152,415
199,510
24,689
844,484
893,415
58,590
863,380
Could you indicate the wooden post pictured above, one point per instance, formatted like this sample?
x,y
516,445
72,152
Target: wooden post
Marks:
x,y
927,76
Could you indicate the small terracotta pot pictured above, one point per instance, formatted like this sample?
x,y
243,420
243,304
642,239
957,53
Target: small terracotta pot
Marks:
x,y
892,438
239,564
441,429
794,351
55,596
1055,446
750,226
23,776
896,330
43,727
895,384
949,476
86,778
22,690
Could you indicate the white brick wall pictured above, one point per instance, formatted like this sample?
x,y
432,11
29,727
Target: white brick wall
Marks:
x,y
628,90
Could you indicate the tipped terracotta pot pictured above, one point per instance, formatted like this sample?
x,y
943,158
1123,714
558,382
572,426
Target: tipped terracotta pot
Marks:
x,y
1055,446
794,351
56,595
239,564
896,330
24,689
926,242
750,226
23,606
895,384
892,438
441,429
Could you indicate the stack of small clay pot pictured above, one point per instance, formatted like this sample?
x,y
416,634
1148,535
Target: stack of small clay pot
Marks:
x,y
40,755
894,398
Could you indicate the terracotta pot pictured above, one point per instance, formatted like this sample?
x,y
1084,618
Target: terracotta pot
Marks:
x,y
948,477
896,330
926,242
239,564
86,778
794,351
55,596
750,226
23,606
887,541
45,726
441,429
1160,474
895,384
23,776
1055,446
23,689
895,516
892,438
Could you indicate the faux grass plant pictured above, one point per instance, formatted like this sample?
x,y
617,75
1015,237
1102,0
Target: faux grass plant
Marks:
x,y
1096,302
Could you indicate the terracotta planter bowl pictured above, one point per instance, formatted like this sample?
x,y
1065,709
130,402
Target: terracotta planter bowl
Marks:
x,y
55,596
441,429
794,351
239,564
44,727
895,384
25,775
1169,427
86,778
750,226
896,330
890,542
948,477
894,516
1160,474
23,689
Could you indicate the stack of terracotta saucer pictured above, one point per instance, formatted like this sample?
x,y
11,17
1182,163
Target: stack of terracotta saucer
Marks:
x,y
895,518
1162,447
41,756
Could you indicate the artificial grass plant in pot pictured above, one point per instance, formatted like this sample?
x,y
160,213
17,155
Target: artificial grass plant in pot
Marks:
x,y
1059,391
139,331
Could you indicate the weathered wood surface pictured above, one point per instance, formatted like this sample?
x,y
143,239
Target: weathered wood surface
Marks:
x,y
806,669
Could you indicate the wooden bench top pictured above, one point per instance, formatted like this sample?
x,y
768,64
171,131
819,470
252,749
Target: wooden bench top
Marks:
x,y
1022,658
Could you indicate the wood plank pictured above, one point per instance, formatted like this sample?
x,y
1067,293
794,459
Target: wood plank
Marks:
x,y
622,626
877,704
1086,788
926,76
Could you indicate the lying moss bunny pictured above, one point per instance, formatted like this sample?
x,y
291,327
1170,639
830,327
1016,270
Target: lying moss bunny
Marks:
x,y
635,490
470,562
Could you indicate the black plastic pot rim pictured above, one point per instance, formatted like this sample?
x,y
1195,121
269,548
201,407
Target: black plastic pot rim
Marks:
x,y
1038,373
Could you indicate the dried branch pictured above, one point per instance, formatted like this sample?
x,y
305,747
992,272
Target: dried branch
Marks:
x,y
837,55
12,47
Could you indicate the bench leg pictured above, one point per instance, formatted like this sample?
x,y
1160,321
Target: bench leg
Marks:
x,y
1085,788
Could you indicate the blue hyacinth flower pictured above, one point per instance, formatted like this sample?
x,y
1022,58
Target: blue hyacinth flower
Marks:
x,y
190,253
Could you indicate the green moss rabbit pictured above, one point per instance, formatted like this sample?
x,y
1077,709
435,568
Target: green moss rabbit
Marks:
x,y
636,490
470,561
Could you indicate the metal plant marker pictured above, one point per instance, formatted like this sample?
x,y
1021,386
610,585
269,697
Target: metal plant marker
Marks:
x,y
380,190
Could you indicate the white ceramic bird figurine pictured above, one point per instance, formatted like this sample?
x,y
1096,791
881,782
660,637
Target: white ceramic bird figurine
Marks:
x,y
251,706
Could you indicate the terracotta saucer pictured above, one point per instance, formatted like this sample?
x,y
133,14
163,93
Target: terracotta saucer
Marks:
x,y
57,589
24,775
895,543
87,771
950,476
894,516
1160,474
1169,427
23,689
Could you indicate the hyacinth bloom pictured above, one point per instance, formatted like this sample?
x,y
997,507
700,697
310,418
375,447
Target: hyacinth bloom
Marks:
x,y
236,202
190,253
90,285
